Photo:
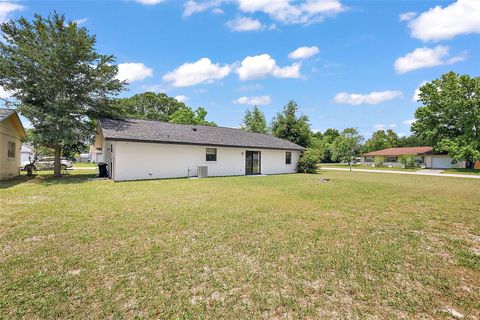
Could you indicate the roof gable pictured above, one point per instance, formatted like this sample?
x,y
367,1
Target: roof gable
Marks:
x,y
9,113
165,132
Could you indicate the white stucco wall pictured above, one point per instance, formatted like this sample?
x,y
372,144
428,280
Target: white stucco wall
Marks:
x,y
137,161
445,162
25,156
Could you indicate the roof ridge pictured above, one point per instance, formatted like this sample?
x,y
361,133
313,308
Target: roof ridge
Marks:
x,y
198,125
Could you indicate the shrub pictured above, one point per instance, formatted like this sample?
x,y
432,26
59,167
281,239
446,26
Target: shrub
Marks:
x,y
379,160
309,161
408,161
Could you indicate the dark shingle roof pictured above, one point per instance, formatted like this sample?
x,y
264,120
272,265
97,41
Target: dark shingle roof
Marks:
x,y
5,113
165,132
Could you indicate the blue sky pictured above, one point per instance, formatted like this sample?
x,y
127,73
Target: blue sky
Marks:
x,y
358,63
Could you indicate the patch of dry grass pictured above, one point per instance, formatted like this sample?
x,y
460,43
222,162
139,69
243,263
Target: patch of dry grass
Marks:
x,y
287,246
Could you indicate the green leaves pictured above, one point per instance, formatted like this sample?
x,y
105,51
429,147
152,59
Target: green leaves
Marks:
x,y
188,116
60,82
148,105
449,119
254,121
381,140
309,160
287,125
346,146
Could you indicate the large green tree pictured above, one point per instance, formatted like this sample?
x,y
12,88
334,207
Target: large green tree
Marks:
x,y
381,140
287,125
148,105
347,146
188,116
323,143
412,140
60,83
254,120
449,118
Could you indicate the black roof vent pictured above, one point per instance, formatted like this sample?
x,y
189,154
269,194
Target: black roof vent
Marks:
x,y
194,128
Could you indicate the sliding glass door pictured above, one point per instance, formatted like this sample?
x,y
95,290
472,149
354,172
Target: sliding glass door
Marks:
x,y
252,162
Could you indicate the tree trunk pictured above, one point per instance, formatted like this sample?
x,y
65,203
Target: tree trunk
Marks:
x,y
350,165
57,169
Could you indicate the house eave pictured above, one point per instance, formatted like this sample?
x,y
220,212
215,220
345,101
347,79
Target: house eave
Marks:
x,y
198,144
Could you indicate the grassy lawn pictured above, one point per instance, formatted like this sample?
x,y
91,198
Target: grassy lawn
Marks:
x,y
288,246
362,166
85,165
463,171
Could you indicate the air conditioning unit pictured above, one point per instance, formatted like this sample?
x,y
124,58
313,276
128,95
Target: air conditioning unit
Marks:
x,y
202,171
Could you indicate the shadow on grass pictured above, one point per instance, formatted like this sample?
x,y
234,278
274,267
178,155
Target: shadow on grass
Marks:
x,y
47,179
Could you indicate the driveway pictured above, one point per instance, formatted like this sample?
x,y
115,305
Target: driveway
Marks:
x,y
424,172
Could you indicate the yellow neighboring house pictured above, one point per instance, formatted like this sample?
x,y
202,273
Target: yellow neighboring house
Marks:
x,y
11,131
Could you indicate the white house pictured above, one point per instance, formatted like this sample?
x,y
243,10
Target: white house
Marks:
x,y
11,131
425,156
27,153
147,149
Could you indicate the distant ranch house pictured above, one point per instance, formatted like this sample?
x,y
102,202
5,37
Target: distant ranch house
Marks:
x,y
11,133
424,156
147,149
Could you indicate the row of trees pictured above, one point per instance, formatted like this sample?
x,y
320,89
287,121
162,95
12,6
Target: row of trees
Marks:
x,y
158,106
448,120
331,145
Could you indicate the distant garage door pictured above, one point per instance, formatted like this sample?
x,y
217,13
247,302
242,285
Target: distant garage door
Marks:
x,y
442,162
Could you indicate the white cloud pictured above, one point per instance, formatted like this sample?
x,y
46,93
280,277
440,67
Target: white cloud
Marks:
x,y
260,66
460,17
304,52
384,126
4,94
261,100
181,98
132,72
247,88
80,21
374,97
242,24
203,70
409,122
217,11
407,16
149,2
416,94
424,58
287,12
6,8
192,7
